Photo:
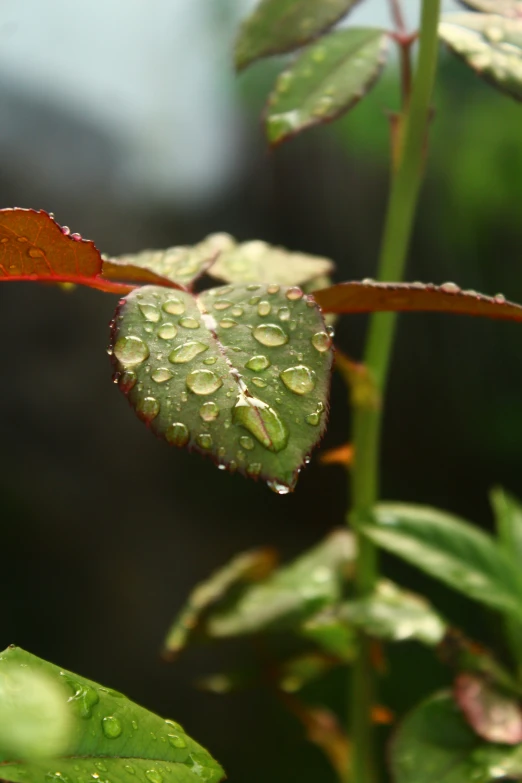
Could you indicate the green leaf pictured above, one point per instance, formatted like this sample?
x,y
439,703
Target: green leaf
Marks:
x,y
295,673
395,614
512,8
330,633
435,745
247,567
493,715
279,26
491,45
241,374
259,262
292,593
449,549
325,81
112,738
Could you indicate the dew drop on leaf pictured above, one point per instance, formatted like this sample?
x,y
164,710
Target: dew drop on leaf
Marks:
x,y
35,252
237,312
264,308
177,434
283,314
131,350
189,323
176,741
150,312
300,379
174,306
176,726
254,469
262,422
209,411
186,352
246,443
204,440
167,331
222,304
210,360
322,342
259,382
130,769
111,727
294,293
270,335
127,381
154,776
280,489
258,363
161,374
147,408
203,382
273,288
227,323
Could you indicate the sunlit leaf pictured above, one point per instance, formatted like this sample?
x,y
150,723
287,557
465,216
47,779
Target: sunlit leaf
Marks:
x,y
449,549
278,26
240,374
246,567
259,262
367,297
112,738
325,81
492,714
490,44
292,593
435,745
511,8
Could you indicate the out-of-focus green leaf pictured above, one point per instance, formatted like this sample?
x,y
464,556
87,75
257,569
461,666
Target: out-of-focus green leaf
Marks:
x,y
325,81
395,614
511,8
449,549
111,737
241,374
278,26
292,593
490,44
247,567
299,671
492,714
259,262
435,745
465,655
330,633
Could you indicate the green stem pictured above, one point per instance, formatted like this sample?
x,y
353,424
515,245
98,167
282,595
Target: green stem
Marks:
x,y
402,205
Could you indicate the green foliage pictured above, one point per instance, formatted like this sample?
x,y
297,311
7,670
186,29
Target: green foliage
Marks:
x,y
109,737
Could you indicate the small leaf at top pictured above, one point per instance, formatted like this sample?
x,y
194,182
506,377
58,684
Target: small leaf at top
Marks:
x,y
449,549
492,714
511,8
490,44
259,262
240,374
325,81
112,738
370,297
278,26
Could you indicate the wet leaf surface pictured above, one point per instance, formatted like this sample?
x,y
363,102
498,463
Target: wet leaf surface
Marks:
x,y
325,81
240,374
113,739
278,26
492,714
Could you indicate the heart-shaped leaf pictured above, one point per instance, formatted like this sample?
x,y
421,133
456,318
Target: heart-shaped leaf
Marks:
x,y
491,45
241,374
259,262
112,738
325,81
512,8
449,549
492,714
279,26
369,297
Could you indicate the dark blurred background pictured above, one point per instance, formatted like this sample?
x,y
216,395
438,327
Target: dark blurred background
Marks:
x,y
126,120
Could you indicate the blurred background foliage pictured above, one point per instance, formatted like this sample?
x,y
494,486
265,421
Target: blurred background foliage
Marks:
x,y
125,119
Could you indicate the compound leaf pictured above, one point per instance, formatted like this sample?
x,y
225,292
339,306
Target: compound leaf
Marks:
x,y
259,262
369,297
112,738
241,374
279,26
325,81
449,549
490,44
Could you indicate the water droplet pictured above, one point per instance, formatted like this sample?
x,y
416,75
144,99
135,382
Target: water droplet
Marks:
x,y
330,331
209,411
280,489
21,239
246,443
176,741
315,417
167,331
500,298
131,350
237,312
66,230
204,440
84,697
258,363
130,769
189,323
161,375
264,308
186,352
100,765
227,323
134,725
203,381
4,240
273,288
210,360
35,252
450,288
177,434
111,727
253,469
253,287
154,776
222,304
176,726
262,422
127,381
147,408
294,293
174,306
300,379
270,335
253,299
322,341
240,455
283,314
150,312
259,382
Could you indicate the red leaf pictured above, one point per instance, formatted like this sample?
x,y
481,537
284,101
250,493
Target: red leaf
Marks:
x,y
34,247
367,297
492,715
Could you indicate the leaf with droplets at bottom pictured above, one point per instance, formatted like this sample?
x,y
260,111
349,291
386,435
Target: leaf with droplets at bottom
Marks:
x,y
247,567
490,44
112,738
258,262
434,743
266,371
493,715
278,26
510,8
371,297
325,81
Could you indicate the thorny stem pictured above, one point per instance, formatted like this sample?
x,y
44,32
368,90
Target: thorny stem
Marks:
x,y
402,205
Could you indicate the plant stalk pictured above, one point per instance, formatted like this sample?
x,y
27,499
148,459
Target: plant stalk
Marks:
x,y
402,205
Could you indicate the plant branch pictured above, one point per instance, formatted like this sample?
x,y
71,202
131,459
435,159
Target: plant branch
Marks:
x,y
402,206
